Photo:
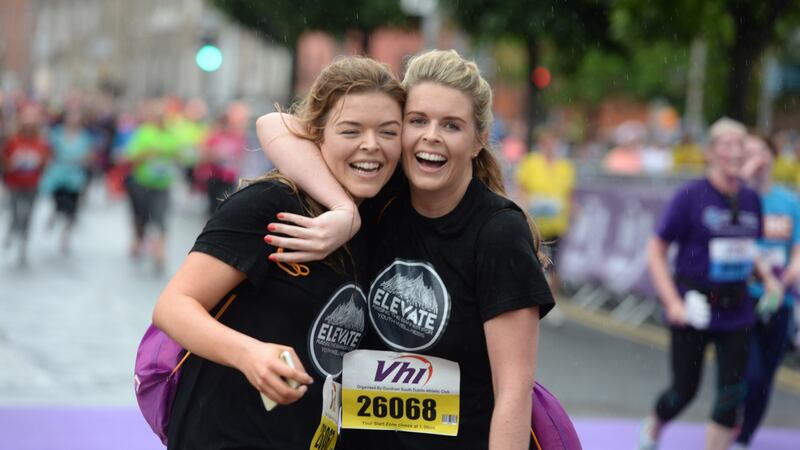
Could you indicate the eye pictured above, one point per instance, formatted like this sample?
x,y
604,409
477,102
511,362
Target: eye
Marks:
x,y
417,120
450,125
389,132
349,132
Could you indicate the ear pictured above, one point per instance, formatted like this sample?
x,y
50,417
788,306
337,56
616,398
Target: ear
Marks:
x,y
483,140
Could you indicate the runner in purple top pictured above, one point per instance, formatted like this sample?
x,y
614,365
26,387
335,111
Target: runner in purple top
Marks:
x,y
701,220
715,223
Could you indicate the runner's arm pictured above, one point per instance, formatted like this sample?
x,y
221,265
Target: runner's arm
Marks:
x,y
768,279
512,341
300,160
662,280
791,275
182,313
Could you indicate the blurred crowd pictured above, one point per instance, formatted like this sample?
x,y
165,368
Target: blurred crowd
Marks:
x,y
54,151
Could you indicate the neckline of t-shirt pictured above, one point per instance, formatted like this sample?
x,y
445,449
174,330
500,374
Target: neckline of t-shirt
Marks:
x,y
723,195
453,216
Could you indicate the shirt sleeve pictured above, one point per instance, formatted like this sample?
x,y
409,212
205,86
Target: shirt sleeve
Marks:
x,y
510,276
235,233
674,223
136,143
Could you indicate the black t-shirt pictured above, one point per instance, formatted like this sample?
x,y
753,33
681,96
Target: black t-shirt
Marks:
x,y
321,315
458,271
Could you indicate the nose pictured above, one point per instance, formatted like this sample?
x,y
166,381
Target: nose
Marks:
x,y
431,134
370,142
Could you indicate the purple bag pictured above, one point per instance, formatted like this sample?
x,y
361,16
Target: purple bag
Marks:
x,y
156,378
156,375
551,427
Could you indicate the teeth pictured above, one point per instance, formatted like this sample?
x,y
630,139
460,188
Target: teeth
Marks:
x,y
433,157
367,166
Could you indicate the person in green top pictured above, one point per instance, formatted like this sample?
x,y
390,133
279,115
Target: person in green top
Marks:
x,y
191,128
154,151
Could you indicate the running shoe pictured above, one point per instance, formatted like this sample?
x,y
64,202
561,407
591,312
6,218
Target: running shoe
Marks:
x,y
646,441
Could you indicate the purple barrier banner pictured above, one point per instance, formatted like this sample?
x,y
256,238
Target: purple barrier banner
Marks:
x,y
607,239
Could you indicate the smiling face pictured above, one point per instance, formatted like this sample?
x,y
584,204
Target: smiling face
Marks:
x,y
439,141
727,153
758,155
361,142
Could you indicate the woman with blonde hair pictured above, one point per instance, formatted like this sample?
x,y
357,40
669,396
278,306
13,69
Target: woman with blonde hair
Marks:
x,y
454,274
353,113
714,222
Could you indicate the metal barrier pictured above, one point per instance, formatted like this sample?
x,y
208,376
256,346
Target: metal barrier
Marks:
x,y
604,251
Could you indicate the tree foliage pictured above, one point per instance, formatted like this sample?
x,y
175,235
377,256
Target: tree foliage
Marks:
x,y
283,21
573,27
739,29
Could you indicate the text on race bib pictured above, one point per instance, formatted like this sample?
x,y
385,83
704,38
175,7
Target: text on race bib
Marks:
x,y
400,391
731,259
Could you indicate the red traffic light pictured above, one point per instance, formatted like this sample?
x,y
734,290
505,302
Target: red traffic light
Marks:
x,y
541,77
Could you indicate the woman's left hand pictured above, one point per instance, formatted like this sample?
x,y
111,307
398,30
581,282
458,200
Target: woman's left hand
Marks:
x,y
312,238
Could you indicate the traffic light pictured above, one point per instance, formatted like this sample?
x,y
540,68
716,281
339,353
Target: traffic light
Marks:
x,y
209,56
541,77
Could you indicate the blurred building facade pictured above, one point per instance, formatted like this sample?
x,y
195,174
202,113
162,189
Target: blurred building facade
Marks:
x,y
16,31
137,48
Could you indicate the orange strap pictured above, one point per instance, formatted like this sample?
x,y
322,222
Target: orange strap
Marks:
x,y
216,316
536,441
293,269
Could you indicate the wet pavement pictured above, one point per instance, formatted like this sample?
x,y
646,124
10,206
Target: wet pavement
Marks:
x,y
70,325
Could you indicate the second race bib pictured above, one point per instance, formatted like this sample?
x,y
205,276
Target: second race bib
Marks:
x,y
731,259
400,391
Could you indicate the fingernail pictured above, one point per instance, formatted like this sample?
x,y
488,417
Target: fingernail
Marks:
x,y
268,239
281,216
272,257
271,227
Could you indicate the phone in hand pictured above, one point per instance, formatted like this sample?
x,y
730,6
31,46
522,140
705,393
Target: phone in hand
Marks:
x,y
270,404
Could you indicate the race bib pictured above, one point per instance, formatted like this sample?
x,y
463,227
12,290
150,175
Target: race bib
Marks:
x,y
160,168
328,429
545,207
400,391
731,259
26,161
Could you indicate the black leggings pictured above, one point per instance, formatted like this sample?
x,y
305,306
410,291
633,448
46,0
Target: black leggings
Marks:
x,y
688,348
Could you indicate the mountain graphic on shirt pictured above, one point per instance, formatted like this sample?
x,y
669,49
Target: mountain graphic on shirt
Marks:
x,y
347,315
413,291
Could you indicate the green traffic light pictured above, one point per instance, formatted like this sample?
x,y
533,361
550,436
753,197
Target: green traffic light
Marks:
x,y
208,58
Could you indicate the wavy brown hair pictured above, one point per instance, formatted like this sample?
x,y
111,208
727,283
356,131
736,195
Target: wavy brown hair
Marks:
x,y
348,75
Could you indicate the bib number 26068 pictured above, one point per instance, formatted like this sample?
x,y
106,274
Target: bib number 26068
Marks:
x,y
397,408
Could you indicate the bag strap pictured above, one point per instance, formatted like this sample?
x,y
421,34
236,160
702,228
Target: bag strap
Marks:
x,y
535,440
216,316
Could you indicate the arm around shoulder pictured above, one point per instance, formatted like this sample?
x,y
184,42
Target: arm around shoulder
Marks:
x,y
300,160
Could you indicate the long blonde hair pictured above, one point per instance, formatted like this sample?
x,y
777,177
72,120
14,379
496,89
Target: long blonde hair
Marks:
x,y
448,68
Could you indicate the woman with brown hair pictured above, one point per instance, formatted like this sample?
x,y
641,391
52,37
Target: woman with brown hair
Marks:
x,y
353,113
456,285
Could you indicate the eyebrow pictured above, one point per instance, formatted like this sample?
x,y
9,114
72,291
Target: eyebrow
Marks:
x,y
352,123
443,118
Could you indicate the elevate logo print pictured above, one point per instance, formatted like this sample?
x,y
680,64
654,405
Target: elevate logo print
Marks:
x,y
409,305
338,329
405,372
